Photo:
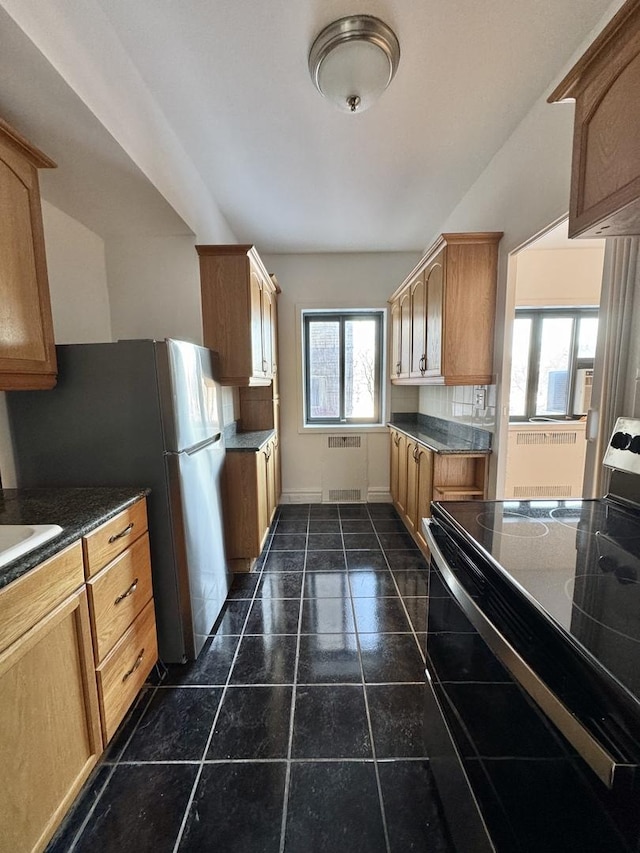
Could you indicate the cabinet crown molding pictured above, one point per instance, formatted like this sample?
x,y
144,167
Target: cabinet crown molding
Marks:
x,y
17,141
615,30
450,238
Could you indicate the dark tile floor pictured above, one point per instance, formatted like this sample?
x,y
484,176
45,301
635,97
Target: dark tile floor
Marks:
x,y
299,728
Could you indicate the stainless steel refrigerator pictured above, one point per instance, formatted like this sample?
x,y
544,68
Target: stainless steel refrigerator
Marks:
x,y
141,413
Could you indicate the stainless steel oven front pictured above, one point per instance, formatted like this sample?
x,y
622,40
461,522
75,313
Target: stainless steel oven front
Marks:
x,y
526,753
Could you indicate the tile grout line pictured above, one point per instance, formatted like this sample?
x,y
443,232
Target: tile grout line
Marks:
x,y
202,761
287,777
114,765
364,692
400,596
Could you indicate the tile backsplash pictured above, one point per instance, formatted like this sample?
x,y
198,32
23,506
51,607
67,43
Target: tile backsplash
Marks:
x,y
466,404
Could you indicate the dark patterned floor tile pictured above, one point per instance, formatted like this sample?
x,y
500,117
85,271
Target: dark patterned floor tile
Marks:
x,y
327,616
211,667
330,722
369,584
266,659
360,542
280,585
412,582
243,585
324,525
391,658
237,808
380,615
324,542
414,820
289,542
397,714
67,831
127,816
334,807
253,723
402,560
357,525
329,659
285,561
373,560
326,585
273,616
232,618
325,561
175,726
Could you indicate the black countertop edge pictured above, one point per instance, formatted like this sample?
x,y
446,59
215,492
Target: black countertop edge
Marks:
x,y
77,510
247,442
442,436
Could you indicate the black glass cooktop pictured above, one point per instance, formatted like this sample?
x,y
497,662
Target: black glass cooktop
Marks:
x,y
577,561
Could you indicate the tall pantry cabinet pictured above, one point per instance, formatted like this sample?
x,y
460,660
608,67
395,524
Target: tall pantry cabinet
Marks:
x,y
239,314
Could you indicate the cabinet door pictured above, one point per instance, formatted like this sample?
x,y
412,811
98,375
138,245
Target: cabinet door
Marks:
x,y
270,480
255,308
395,358
267,330
418,363
424,489
277,468
434,282
49,724
412,485
405,333
263,496
27,350
394,465
402,473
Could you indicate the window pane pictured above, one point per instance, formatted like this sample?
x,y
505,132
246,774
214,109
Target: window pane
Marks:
x,y
360,338
519,366
587,335
553,379
324,369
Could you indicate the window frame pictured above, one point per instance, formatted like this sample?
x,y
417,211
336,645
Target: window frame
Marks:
x,y
342,316
537,316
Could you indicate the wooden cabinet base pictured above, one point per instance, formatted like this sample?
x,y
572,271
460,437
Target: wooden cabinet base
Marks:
x,y
49,725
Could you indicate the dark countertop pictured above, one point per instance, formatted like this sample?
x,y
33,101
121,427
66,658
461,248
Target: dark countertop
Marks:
x,y
248,441
77,511
442,436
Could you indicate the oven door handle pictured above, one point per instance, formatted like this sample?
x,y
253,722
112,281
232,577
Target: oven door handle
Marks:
x,y
608,769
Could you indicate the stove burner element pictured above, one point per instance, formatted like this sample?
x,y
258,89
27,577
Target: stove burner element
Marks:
x,y
620,440
518,525
605,601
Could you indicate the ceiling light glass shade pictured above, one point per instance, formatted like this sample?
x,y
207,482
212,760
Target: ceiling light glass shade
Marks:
x,y
353,60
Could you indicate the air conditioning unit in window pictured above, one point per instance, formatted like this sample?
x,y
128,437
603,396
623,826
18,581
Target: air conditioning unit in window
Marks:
x,y
582,392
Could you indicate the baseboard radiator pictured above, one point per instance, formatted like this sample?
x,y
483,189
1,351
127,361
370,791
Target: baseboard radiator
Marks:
x,y
545,462
344,469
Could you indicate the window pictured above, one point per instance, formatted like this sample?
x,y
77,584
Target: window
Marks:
x,y
342,367
550,346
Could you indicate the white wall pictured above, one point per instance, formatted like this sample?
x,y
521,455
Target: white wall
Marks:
x,y
552,277
326,281
154,288
79,300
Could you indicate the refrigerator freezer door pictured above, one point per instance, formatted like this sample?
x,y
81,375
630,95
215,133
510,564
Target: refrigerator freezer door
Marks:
x,y
203,579
191,399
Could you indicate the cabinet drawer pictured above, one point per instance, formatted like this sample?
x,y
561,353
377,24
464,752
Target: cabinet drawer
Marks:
x,y
123,672
118,593
24,602
111,538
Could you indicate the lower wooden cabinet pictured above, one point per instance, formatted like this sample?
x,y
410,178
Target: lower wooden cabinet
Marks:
x,y
251,489
73,656
418,476
50,736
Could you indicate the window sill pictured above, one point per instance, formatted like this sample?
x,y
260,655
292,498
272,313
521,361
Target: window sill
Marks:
x,y
334,428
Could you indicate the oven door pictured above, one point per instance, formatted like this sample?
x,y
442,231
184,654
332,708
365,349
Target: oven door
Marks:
x,y
508,780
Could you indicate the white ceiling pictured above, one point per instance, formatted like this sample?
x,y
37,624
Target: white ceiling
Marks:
x,y
288,171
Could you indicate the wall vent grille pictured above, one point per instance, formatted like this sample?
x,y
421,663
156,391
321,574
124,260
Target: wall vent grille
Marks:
x,y
547,438
342,441
343,495
542,492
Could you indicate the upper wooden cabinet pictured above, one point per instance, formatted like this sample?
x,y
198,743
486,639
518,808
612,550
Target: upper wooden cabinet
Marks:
x,y
27,350
238,313
442,315
605,84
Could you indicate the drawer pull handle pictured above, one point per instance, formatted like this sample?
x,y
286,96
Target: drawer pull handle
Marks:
x,y
134,667
129,592
122,533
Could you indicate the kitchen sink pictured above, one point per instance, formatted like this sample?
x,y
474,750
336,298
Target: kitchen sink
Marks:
x,y
18,539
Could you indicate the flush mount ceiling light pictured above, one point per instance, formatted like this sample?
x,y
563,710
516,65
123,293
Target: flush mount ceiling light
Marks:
x,y
353,60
